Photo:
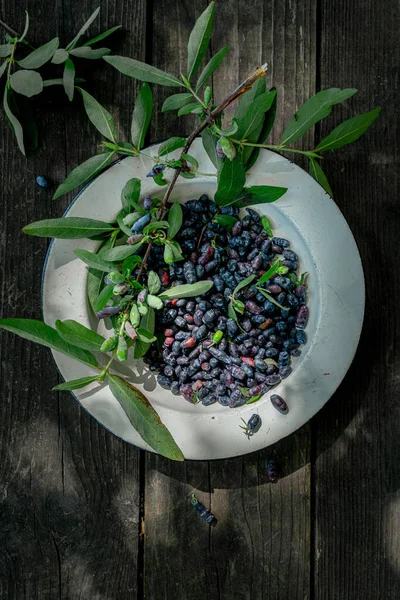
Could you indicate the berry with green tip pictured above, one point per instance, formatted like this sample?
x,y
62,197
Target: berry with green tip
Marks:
x,y
109,344
122,350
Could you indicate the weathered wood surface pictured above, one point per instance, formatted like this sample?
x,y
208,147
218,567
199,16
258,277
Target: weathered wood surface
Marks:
x,y
72,495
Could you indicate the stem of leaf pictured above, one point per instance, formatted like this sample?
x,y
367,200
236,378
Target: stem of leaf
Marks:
x,y
11,61
278,148
104,372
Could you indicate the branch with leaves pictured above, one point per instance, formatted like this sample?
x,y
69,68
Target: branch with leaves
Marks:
x,y
128,280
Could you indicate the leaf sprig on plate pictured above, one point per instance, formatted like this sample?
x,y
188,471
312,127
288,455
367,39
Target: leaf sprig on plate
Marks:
x,y
120,286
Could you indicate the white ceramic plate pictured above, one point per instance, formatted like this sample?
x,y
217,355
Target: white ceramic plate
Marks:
x,y
318,233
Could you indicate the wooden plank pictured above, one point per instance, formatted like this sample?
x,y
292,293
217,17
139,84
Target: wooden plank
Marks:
x,y
357,448
69,489
260,547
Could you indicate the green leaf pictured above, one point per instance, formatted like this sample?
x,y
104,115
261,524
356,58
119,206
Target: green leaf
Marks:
x,y
226,221
266,225
15,124
60,56
238,306
176,101
230,131
172,252
82,173
188,290
232,314
254,399
59,81
244,283
86,52
69,78
82,30
99,116
144,418
175,217
260,194
3,68
105,295
348,131
119,253
39,332
94,260
187,175
191,160
145,336
154,226
209,143
160,180
153,283
20,39
247,99
27,83
265,130
124,228
141,116
142,71
211,66
231,180
170,145
254,117
199,39
75,384
129,264
78,335
102,36
68,228
131,194
270,273
188,108
148,323
6,50
318,174
271,299
40,56
95,280
313,110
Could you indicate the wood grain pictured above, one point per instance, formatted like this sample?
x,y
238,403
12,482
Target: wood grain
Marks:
x,y
357,443
69,489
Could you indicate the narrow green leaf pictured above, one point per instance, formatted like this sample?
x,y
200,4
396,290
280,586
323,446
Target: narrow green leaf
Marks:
x,y
3,69
60,56
102,36
270,273
94,284
188,108
68,228
40,56
244,283
82,173
211,66
142,71
129,264
176,101
155,225
78,335
209,143
254,117
145,336
226,221
272,299
254,399
68,78
259,194
15,124
99,116
247,99
231,180
75,384
103,298
20,39
199,39
170,145
119,253
231,313
348,131
313,110
264,132
124,228
238,306
175,217
89,53
27,83
266,225
318,174
6,50
39,332
131,193
147,322
82,30
59,81
229,131
187,290
191,160
141,116
94,260
153,283
144,418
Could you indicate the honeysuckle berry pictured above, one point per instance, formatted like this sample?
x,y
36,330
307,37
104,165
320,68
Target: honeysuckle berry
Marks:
x,y
141,223
147,202
130,331
134,315
154,302
122,350
279,403
108,311
130,219
142,295
120,288
42,181
156,170
205,514
228,149
273,470
109,344
134,239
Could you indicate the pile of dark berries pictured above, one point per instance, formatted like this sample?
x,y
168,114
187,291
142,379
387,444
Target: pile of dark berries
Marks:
x,y
206,355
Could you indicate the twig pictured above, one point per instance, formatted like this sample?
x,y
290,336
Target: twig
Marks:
x,y
9,28
209,120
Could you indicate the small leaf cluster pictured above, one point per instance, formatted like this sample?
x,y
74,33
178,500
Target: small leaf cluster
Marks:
x,y
24,81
